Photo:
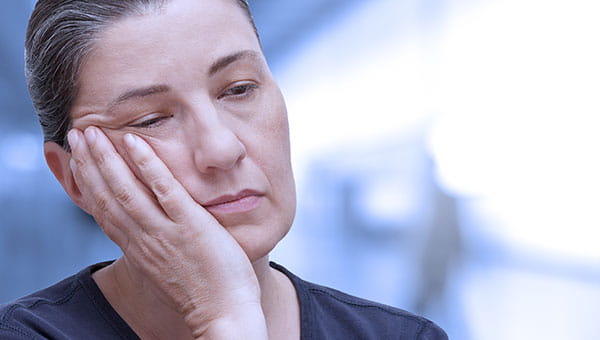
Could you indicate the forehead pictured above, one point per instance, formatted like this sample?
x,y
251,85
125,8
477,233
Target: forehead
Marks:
x,y
207,26
182,13
183,38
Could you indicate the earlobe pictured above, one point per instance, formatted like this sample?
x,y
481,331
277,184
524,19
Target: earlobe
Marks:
x,y
58,160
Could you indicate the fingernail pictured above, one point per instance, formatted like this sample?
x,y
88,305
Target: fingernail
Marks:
x,y
90,135
73,138
129,140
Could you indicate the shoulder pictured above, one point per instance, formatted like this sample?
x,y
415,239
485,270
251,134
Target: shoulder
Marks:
x,y
327,313
53,311
24,317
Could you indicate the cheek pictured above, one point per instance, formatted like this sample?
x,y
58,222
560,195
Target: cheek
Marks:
x,y
274,127
176,156
116,138
271,141
273,152
167,151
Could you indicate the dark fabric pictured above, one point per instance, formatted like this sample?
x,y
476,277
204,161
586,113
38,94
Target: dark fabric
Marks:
x,y
76,309
330,314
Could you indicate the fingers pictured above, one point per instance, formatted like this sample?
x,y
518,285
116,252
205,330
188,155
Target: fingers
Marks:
x,y
92,187
162,231
126,188
171,195
119,198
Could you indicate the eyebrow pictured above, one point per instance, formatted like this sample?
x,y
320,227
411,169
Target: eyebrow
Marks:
x,y
215,67
138,93
225,61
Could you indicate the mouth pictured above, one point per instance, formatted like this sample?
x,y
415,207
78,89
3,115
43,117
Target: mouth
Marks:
x,y
243,201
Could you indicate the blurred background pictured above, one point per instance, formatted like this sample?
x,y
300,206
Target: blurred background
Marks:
x,y
445,153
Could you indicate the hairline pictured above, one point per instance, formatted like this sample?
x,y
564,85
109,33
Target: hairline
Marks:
x,y
55,114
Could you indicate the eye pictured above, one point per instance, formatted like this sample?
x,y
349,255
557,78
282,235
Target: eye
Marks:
x,y
150,123
240,90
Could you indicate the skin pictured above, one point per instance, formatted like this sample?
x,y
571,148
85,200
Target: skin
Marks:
x,y
175,109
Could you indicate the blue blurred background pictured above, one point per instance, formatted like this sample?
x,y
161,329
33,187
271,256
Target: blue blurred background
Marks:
x,y
445,154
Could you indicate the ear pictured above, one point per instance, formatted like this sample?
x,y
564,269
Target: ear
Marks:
x,y
58,160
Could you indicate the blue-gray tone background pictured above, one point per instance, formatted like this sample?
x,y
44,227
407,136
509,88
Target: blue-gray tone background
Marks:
x,y
445,155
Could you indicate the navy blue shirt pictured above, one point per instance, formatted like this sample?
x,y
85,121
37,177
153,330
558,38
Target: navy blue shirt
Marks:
x,y
76,309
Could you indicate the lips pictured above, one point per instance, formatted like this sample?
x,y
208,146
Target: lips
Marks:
x,y
243,201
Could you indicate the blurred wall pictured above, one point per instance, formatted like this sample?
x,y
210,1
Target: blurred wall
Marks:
x,y
444,153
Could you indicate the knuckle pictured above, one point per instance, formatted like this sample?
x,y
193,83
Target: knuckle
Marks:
x,y
143,162
161,189
101,217
101,204
124,197
79,162
102,160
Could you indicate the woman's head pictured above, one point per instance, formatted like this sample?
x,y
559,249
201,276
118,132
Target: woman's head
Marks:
x,y
189,77
59,36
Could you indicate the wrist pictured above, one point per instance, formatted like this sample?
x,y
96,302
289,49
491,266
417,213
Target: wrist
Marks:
x,y
247,323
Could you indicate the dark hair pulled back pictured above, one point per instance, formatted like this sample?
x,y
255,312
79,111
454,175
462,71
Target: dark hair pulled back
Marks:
x,y
59,35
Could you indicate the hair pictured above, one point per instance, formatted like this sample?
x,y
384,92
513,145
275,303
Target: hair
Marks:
x,y
60,34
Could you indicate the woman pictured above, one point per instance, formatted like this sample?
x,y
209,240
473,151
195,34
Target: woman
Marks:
x,y
163,121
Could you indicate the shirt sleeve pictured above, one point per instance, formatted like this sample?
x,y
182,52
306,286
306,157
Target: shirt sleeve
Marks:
x,y
14,334
433,332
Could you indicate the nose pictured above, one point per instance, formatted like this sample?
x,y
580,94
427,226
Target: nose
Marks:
x,y
217,145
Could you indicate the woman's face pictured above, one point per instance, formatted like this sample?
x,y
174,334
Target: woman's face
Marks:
x,y
191,80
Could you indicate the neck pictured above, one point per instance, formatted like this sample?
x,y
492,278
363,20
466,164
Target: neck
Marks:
x,y
139,307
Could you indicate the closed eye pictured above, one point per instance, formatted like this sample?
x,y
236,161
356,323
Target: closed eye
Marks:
x,y
239,90
150,123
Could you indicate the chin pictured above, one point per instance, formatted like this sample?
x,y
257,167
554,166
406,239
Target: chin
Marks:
x,y
259,231
258,240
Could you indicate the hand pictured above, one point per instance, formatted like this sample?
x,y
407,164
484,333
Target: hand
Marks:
x,y
172,241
